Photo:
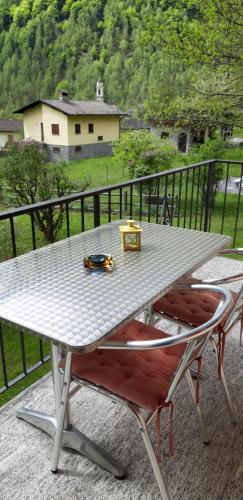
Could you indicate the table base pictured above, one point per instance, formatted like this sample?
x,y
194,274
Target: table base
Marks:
x,y
74,439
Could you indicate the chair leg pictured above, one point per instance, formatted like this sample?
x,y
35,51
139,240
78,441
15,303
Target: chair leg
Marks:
x,y
224,386
202,427
61,413
227,398
241,327
151,454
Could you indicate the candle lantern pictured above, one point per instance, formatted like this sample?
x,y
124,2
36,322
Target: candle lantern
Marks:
x,y
130,236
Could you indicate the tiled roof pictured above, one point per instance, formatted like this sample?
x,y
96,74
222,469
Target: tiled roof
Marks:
x,y
133,124
11,125
77,107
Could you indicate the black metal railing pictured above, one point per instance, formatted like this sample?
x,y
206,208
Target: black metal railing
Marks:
x,y
205,196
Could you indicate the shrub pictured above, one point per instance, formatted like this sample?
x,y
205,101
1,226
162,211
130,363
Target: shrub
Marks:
x,y
143,154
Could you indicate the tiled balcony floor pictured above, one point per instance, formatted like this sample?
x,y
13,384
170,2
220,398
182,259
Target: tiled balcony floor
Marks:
x,y
196,471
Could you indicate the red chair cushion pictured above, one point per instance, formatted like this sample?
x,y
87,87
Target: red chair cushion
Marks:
x,y
143,377
193,307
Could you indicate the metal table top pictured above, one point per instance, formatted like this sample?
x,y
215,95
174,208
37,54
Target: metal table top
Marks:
x,y
49,292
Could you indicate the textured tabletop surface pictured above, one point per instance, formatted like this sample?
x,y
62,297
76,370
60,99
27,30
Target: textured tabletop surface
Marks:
x,y
50,293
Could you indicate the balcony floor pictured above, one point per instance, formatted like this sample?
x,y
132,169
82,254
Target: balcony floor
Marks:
x,y
196,472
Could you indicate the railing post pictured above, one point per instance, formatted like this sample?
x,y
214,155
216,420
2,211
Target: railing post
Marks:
x,y
50,224
12,232
96,210
125,201
208,196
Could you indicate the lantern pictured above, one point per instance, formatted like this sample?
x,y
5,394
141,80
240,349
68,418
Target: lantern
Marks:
x,y
130,236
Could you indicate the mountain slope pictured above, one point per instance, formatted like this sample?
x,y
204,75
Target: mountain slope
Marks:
x,y
45,42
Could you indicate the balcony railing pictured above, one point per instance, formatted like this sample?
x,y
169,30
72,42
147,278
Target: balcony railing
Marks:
x,y
205,196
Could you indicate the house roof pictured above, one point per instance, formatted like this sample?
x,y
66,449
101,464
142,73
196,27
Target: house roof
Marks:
x,y
167,122
11,125
134,124
73,108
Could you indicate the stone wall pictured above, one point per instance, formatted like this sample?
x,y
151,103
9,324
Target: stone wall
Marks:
x,y
67,153
174,136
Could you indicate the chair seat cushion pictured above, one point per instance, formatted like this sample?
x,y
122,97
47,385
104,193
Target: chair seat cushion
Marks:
x,y
143,376
190,306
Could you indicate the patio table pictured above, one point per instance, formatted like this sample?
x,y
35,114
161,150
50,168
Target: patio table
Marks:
x,y
49,293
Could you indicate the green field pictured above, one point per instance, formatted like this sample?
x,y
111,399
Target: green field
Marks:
x,y
97,171
106,170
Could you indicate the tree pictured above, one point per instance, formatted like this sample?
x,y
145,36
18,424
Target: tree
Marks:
x,y
206,106
214,148
143,154
205,32
64,85
31,179
135,47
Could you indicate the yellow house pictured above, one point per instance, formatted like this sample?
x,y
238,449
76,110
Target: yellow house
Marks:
x,y
73,129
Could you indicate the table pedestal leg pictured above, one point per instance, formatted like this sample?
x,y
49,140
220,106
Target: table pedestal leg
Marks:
x,y
74,439
42,421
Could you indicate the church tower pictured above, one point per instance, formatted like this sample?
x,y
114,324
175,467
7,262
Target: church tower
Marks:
x,y
99,91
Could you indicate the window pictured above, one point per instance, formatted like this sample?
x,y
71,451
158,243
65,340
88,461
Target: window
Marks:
x,y
164,135
56,149
78,149
91,128
77,128
42,132
55,129
100,137
10,138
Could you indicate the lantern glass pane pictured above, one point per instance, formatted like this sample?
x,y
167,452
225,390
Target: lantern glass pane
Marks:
x,y
131,239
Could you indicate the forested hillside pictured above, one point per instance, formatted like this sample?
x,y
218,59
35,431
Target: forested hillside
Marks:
x,y
45,42
180,57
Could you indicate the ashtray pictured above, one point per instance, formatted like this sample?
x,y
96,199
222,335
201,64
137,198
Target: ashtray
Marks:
x,y
98,262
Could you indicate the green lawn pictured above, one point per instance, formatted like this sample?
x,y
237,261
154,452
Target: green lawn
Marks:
x,y
238,132
96,171
106,170
103,171
234,154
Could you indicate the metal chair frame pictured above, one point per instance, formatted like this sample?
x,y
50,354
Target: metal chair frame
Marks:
x,y
234,317
168,208
196,339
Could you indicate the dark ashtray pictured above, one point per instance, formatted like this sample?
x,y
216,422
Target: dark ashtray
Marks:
x,y
98,262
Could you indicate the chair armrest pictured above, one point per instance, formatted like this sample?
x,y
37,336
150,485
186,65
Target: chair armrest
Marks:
x,y
216,281
228,279
221,281
207,327
232,251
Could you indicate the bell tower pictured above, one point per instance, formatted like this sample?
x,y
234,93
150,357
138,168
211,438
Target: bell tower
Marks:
x,y
99,91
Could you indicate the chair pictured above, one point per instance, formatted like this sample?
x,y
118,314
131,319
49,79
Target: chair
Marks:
x,y
190,309
140,368
168,208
